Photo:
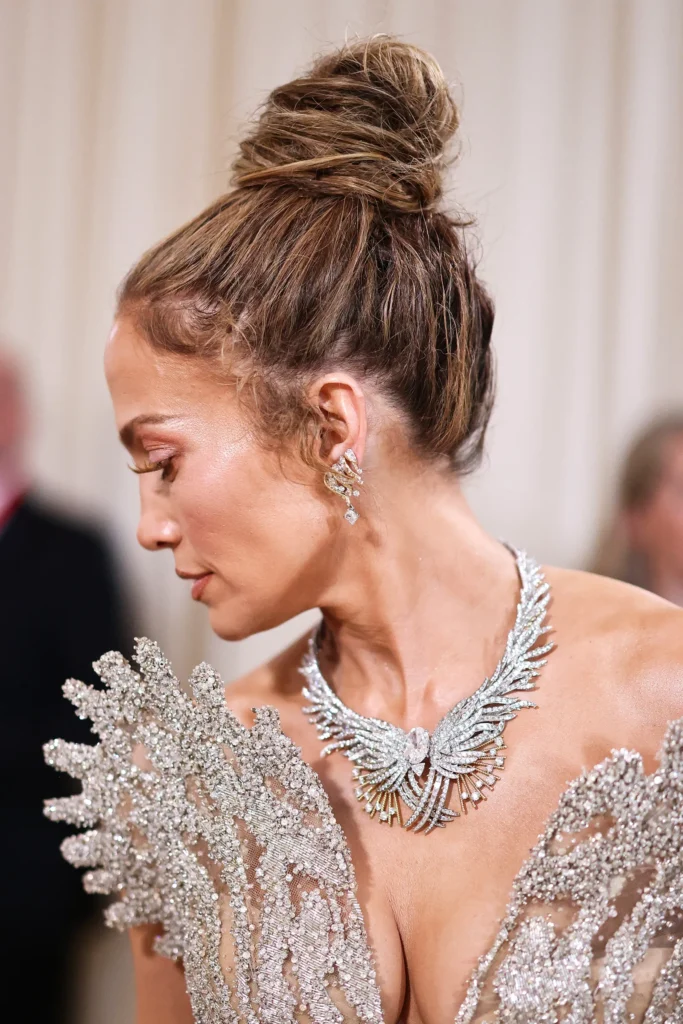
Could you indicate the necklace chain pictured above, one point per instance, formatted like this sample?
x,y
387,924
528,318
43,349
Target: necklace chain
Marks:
x,y
463,753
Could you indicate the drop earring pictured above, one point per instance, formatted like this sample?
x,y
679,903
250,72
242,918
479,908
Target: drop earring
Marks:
x,y
342,478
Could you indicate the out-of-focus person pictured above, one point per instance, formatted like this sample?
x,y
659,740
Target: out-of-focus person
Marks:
x,y
60,608
643,543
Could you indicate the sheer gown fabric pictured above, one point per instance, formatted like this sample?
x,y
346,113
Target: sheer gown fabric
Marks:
x,y
225,836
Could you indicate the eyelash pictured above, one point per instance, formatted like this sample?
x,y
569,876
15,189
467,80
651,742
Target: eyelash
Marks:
x,y
165,465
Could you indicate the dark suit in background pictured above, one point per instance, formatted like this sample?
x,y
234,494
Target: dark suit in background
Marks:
x,y
60,609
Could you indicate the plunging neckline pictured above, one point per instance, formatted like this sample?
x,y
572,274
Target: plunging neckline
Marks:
x,y
609,767
203,738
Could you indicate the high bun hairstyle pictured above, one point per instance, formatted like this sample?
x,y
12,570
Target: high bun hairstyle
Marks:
x,y
332,250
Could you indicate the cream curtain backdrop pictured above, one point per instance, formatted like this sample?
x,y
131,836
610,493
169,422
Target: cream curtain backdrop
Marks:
x,y
117,122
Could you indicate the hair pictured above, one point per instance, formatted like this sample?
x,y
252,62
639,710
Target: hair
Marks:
x,y
332,250
641,476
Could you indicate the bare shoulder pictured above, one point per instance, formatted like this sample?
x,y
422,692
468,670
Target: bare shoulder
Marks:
x,y
276,683
625,644
617,616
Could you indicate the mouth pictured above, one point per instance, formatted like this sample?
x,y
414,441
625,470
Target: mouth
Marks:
x,y
200,581
199,585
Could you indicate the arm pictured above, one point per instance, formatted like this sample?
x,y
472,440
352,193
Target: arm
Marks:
x,y
161,995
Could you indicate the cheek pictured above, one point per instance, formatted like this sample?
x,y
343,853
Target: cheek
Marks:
x,y
212,495
238,504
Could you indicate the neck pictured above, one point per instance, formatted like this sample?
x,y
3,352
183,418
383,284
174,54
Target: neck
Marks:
x,y
419,608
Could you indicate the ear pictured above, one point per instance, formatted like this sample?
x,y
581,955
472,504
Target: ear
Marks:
x,y
341,402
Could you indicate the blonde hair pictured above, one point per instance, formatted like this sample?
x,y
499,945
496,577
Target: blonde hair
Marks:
x,y
640,477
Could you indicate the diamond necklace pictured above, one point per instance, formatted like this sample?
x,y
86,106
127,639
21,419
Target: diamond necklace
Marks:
x,y
464,748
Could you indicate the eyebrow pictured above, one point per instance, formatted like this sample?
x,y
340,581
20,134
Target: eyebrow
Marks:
x,y
127,432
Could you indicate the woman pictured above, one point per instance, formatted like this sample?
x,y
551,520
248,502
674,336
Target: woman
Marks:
x,y
644,541
302,375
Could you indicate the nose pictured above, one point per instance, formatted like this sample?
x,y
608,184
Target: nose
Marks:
x,y
156,529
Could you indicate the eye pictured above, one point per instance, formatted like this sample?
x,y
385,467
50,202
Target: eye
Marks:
x,y
165,466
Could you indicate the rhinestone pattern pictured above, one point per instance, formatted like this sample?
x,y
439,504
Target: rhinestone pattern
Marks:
x,y
225,836
227,839
593,931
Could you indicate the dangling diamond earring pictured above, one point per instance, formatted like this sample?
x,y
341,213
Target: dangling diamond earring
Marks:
x,y
342,478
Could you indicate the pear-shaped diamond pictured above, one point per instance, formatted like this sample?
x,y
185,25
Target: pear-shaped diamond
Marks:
x,y
417,745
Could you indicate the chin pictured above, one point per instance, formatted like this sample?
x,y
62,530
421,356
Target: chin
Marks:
x,y
237,621
232,626
226,629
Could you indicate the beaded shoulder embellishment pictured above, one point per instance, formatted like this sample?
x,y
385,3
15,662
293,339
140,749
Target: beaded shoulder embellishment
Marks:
x,y
225,836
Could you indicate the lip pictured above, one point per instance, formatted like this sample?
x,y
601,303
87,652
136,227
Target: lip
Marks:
x,y
199,585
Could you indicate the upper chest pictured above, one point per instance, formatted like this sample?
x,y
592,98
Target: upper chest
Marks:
x,y
432,903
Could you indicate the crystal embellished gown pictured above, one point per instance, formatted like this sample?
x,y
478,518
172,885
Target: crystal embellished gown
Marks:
x,y
225,836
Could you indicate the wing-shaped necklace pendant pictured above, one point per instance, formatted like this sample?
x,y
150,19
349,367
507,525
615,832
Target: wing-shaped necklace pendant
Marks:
x,y
464,752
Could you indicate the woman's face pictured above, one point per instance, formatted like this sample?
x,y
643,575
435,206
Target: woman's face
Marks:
x,y
657,527
258,541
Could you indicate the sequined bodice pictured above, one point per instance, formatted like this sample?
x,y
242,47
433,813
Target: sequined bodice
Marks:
x,y
225,836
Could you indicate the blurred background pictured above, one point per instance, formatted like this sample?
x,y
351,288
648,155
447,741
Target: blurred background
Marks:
x,y
118,119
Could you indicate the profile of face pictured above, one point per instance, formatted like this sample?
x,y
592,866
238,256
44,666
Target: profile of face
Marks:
x,y
656,527
255,529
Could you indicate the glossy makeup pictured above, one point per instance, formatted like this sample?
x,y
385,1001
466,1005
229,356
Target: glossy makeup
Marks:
x,y
249,531
199,586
